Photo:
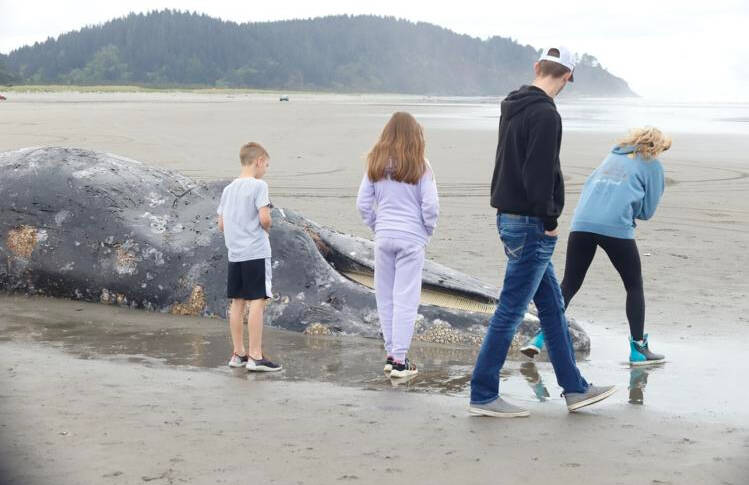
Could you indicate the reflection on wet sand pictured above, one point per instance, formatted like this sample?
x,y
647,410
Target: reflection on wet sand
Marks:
x,y
638,379
91,331
95,331
530,372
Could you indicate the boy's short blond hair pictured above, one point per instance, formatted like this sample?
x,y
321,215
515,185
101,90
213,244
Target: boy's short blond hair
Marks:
x,y
250,152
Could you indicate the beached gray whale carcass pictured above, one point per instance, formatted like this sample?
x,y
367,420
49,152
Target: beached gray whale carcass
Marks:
x,y
98,227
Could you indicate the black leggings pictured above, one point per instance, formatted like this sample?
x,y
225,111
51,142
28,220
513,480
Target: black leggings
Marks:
x,y
581,247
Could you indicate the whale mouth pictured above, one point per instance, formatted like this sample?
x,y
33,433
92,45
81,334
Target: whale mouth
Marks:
x,y
353,258
430,296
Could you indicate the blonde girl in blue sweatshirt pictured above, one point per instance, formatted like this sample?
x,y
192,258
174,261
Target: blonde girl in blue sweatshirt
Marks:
x,y
627,186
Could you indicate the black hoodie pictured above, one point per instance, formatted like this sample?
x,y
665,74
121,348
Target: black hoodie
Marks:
x,y
527,176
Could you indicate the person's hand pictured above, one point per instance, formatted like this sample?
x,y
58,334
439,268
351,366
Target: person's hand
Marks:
x,y
553,233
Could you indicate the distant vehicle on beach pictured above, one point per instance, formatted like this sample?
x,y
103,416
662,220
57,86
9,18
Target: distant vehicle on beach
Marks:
x,y
284,97
2,98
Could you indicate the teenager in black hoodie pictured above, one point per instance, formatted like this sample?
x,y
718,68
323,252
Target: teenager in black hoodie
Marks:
x,y
528,192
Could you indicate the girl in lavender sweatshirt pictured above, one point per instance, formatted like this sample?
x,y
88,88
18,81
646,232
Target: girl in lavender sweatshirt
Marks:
x,y
398,201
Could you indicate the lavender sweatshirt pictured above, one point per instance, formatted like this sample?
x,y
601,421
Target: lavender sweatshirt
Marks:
x,y
400,210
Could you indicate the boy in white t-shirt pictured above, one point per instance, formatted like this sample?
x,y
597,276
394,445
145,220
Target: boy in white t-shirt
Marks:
x,y
244,218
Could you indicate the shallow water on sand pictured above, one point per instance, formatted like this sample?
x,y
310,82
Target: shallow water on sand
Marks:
x,y
691,384
597,115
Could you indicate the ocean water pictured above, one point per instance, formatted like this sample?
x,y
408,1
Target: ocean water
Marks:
x,y
607,115
616,115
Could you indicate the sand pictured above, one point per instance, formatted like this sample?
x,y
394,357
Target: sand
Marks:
x,y
693,254
100,394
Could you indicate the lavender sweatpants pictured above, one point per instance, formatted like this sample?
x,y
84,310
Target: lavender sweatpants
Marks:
x,y
398,265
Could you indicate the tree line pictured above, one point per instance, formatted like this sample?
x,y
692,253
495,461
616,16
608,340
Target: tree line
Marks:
x,y
335,53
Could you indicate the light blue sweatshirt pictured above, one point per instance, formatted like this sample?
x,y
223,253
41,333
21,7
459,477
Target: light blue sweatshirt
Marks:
x,y
398,209
623,188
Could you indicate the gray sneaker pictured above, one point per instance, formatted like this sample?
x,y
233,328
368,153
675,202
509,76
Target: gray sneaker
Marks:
x,y
499,408
577,400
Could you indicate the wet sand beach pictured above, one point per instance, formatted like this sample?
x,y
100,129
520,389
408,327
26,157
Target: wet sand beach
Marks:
x,y
100,394
96,394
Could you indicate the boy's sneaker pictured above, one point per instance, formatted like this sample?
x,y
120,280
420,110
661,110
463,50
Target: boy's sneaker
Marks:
x,y
238,360
262,365
498,408
577,400
534,345
389,365
641,354
404,369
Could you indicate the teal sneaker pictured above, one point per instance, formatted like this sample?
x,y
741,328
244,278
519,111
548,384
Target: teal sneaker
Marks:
x,y
534,345
641,354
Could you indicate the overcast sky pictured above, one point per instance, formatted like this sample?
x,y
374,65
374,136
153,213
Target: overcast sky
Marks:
x,y
665,49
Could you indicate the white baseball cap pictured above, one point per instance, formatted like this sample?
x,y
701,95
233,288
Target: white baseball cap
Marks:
x,y
564,58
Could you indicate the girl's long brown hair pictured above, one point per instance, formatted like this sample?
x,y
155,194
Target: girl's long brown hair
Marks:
x,y
400,147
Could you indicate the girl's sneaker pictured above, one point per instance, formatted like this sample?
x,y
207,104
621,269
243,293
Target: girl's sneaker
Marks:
x,y
388,365
404,369
640,354
262,365
237,360
534,346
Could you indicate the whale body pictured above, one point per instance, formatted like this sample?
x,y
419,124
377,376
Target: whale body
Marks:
x,y
99,227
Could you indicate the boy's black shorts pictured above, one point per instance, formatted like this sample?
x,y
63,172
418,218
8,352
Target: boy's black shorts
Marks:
x,y
249,280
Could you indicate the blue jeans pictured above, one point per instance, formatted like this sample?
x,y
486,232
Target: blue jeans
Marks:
x,y
529,275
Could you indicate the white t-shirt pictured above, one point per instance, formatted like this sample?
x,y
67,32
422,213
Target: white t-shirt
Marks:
x,y
240,204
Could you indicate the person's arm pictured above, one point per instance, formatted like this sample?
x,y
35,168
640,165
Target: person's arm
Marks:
x,y
262,204
654,187
541,154
265,218
365,202
220,212
430,204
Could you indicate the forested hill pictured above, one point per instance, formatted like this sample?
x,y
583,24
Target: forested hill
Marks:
x,y
340,53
